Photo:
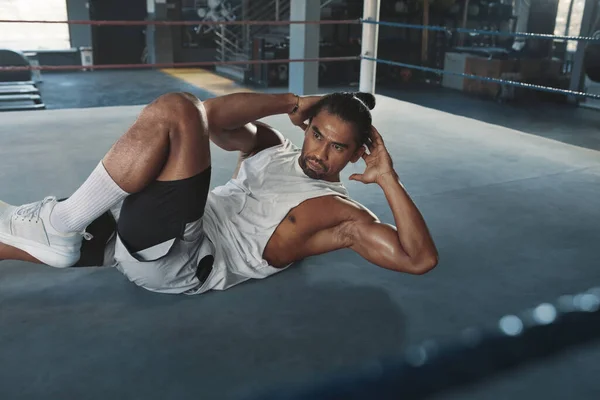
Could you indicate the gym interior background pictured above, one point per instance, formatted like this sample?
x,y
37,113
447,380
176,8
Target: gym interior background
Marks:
x,y
535,61
494,166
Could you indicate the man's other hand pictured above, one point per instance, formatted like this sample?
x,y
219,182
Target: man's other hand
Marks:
x,y
379,163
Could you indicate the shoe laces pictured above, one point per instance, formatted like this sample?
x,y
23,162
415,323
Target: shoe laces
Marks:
x,y
32,212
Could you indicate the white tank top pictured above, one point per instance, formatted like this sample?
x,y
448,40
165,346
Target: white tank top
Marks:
x,y
241,216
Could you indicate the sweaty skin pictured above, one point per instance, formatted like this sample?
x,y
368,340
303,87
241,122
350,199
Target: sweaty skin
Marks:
x,y
326,150
329,223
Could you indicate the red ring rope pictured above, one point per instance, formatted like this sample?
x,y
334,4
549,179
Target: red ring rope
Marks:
x,y
176,23
173,65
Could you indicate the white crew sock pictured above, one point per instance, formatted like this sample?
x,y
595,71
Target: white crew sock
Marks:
x,y
96,196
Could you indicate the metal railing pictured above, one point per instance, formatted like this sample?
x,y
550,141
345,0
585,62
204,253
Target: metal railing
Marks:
x,y
234,43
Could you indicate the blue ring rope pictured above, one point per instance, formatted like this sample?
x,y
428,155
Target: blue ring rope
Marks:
x,y
484,78
480,32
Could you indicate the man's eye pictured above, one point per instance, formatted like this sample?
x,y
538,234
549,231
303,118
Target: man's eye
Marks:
x,y
338,147
317,135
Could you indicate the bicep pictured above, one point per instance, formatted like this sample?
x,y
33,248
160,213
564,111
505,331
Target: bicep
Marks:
x,y
375,241
358,229
378,243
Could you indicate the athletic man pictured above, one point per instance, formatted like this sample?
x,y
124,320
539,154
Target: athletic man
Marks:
x,y
146,208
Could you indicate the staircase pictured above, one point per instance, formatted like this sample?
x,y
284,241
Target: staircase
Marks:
x,y
234,42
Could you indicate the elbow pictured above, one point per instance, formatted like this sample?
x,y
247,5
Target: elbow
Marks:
x,y
213,115
424,264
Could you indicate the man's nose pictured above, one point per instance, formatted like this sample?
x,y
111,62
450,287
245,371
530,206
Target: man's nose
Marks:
x,y
323,152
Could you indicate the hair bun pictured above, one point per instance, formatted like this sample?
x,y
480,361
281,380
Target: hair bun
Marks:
x,y
366,98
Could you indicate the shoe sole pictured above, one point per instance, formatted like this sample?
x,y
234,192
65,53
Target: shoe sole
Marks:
x,y
45,254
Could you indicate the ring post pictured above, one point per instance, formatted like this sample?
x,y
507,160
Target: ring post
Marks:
x,y
587,29
370,36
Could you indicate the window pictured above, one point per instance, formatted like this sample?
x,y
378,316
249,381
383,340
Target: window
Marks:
x,y
24,37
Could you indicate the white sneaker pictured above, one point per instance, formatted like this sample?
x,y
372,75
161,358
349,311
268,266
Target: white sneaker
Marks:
x,y
28,228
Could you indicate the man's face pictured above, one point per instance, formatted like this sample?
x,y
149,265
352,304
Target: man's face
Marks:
x,y
329,144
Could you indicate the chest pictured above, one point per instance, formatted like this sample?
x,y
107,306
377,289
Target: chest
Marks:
x,y
288,242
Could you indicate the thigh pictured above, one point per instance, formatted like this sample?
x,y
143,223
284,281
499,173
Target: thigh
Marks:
x,y
161,211
168,141
189,139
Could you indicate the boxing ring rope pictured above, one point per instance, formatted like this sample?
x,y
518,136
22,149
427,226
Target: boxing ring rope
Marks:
x,y
436,366
481,32
183,23
488,79
174,65
180,64
363,56
477,77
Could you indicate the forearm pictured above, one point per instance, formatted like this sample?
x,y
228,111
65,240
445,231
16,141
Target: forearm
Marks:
x,y
412,231
233,111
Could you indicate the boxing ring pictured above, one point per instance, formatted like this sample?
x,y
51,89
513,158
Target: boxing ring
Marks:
x,y
510,312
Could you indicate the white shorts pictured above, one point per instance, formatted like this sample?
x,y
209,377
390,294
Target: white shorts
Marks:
x,y
171,267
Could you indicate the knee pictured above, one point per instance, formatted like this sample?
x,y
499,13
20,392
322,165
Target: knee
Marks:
x,y
180,108
179,100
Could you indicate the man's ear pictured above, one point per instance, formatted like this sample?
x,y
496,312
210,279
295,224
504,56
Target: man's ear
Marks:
x,y
358,154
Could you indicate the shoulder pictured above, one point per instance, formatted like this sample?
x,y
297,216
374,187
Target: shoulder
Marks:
x,y
346,210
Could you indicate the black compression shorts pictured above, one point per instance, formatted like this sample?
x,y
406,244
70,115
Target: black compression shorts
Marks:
x,y
155,215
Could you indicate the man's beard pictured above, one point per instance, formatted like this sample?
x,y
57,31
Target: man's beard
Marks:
x,y
312,173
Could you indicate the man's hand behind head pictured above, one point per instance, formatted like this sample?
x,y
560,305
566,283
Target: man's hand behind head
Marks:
x,y
302,113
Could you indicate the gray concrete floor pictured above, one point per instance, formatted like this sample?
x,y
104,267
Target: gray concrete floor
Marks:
x,y
107,88
515,217
559,121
